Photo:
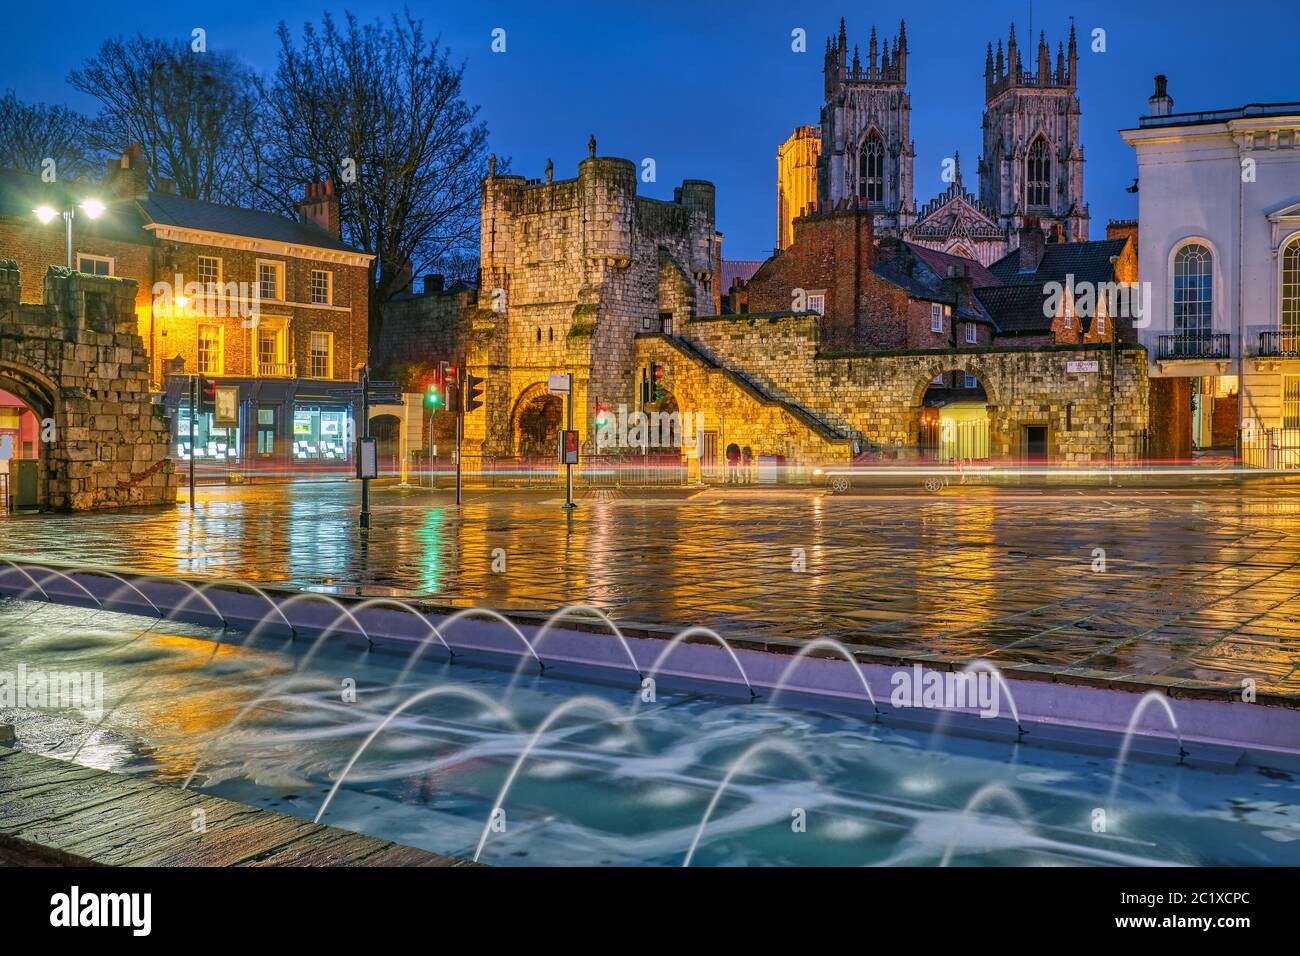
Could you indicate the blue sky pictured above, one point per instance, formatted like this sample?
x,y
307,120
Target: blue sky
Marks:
x,y
710,89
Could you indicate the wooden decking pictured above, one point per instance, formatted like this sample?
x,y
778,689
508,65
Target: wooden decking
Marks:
x,y
57,813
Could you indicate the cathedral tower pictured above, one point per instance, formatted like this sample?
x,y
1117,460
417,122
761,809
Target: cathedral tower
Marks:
x,y
866,145
1033,160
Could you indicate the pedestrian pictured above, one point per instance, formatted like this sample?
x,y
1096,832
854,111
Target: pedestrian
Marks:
x,y
733,463
747,460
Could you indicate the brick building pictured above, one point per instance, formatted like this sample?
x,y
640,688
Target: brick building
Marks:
x,y
273,310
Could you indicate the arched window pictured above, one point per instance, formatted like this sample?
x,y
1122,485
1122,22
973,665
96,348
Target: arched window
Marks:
x,y
1038,174
871,169
1193,289
1291,292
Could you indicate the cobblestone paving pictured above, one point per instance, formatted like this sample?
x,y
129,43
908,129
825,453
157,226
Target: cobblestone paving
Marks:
x,y
1199,589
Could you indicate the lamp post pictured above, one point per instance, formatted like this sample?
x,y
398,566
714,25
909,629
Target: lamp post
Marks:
x,y
93,209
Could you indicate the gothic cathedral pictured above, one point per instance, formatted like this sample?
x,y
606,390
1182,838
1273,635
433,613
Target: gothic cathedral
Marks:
x,y
1032,167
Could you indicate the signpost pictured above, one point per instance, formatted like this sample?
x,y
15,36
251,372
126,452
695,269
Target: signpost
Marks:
x,y
194,415
561,383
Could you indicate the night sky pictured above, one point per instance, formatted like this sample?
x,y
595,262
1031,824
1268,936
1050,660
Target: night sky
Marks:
x,y
710,89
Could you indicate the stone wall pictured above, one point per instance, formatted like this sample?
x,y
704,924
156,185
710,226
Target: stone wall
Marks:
x,y
421,330
878,396
77,360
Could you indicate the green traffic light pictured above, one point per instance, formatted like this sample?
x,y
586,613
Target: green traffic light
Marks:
x,y
431,398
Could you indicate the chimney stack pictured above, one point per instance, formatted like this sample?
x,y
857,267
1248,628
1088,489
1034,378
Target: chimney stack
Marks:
x,y
1032,242
128,175
321,206
1160,102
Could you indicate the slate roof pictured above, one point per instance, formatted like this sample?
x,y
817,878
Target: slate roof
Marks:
x,y
1016,309
925,282
1086,261
733,269
171,210
940,261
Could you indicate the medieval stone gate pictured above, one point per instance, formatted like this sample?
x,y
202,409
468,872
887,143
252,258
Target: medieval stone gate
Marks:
x,y
78,363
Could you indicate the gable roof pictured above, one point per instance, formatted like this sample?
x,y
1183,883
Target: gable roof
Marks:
x,y
940,261
1086,261
1016,309
168,209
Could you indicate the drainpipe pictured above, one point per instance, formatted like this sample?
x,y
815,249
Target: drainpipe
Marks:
x,y
1241,319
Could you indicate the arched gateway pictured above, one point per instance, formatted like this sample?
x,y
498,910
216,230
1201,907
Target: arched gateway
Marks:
x,y
77,365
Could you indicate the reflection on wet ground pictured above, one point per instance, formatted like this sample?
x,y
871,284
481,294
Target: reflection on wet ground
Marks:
x,y
1192,589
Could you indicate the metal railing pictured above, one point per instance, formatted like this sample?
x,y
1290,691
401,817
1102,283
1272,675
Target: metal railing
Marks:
x,y
1279,342
5,503
1194,345
1271,447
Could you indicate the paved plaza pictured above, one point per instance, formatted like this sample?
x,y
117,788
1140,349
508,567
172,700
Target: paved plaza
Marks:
x,y
1193,589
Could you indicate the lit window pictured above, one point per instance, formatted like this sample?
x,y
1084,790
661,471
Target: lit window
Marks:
x,y
1101,325
1291,293
1038,179
972,337
268,280
817,303
209,269
1291,401
210,351
936,317
1193,289
320,287
94,265
322,348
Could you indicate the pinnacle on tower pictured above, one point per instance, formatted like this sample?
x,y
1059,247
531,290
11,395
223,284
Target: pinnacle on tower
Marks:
x,y
857,64
873,51
988,62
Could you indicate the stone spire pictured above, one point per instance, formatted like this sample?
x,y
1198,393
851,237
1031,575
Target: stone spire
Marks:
x,y
857,64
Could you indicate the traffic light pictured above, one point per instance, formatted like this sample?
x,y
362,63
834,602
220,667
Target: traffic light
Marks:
x,y
207,396
602,416
433,397
474,386
658,390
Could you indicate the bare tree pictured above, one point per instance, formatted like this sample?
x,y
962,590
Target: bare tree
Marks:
x,y
31,134
380,108
194,113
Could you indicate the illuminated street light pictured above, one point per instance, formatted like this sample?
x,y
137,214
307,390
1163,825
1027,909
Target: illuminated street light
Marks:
x,y
93,208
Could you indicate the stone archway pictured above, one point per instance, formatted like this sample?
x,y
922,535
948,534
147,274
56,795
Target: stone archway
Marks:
x,y
961,425
535,422
40,396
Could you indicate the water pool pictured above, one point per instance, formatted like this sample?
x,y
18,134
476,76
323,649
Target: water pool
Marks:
x,y
613,778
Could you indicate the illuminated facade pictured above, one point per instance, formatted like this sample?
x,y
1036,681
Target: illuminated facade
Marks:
x,y
796,180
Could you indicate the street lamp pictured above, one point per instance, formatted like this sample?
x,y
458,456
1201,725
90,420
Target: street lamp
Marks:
x,y
93,209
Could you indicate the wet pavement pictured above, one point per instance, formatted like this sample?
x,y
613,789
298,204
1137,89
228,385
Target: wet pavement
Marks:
x,y
1195,589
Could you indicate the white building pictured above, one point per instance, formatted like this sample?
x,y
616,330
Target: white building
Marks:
x,y
1219,245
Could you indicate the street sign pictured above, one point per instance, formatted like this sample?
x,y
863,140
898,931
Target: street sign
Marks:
x,y
568,447
368,458
559,383
225,410
1081,366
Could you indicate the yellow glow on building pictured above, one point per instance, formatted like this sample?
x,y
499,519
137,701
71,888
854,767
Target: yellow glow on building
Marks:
x,y
796,180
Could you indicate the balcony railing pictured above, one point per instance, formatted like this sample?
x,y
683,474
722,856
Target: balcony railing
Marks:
x,y
1278,342
1194,345
276,369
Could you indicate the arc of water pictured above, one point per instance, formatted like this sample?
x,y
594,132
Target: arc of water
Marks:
x,y
1147,699
239,583
595,703
194,592
572,609
34,584
832,644
268,694
431,631
73,581
496,616
713,635
983,665
123,582
455,691
329,628
981,796
737,765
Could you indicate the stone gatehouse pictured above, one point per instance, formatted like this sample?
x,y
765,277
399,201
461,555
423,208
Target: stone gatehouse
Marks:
x,y
79,365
